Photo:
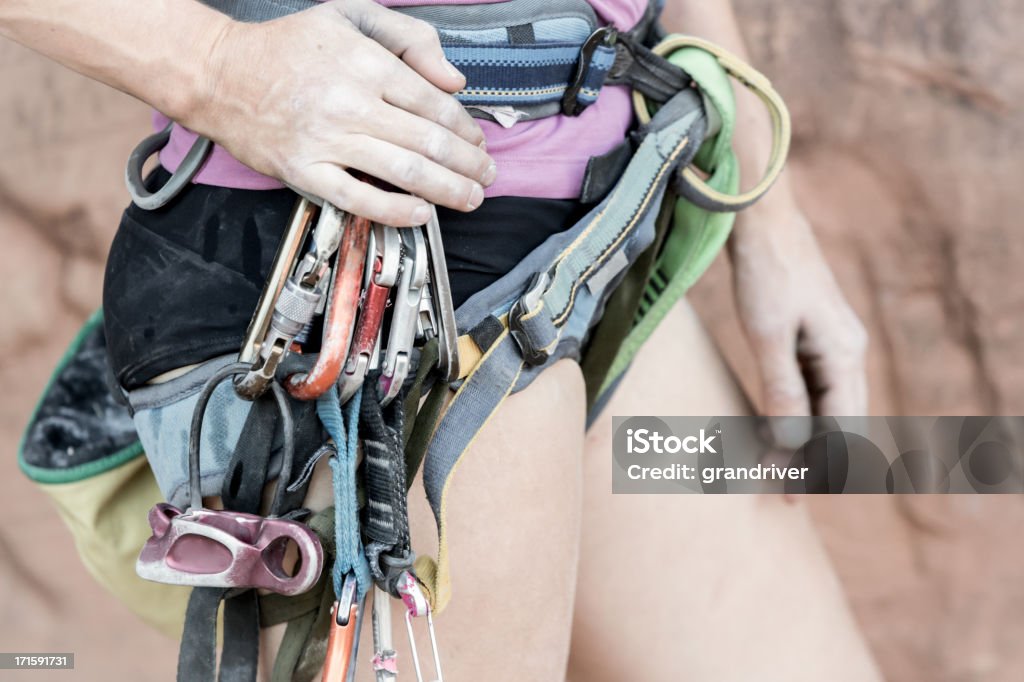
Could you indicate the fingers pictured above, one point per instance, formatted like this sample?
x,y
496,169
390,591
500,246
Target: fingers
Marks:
x,y
424,84
413,173
839,344
848,392
415,42
407,91
784,390
363,199
437,144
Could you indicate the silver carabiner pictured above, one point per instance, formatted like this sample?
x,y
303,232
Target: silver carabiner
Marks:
x,y
405,313
441,293
291,297
385,663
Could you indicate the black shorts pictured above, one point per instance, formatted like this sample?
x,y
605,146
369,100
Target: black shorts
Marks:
x,y
182,281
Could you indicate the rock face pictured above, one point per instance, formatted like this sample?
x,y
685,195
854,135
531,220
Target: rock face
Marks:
x,y
907,128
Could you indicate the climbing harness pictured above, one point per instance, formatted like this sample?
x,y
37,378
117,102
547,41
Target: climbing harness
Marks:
x,y
355,344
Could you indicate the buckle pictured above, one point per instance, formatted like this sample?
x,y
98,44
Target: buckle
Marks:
x,y
527,306
606,35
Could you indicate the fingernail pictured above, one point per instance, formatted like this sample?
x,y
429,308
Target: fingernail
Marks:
x,y
489,175
421,214
476,197
483,145
450,68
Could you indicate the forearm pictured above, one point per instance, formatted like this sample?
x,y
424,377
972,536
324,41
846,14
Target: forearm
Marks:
x,y
716,21
154,50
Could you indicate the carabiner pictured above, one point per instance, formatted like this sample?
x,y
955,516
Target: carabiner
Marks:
x,y
402,335
261,353
341,313
385,664
384,269
343,640
441,295
416,605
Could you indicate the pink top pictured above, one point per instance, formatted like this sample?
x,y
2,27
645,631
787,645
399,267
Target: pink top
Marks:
x,y
543,158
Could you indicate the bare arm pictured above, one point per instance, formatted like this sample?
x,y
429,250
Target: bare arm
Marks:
x,y
303,98
155,50
809,343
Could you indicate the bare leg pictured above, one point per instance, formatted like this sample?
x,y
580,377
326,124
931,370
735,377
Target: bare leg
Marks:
x,y
684,587
514,523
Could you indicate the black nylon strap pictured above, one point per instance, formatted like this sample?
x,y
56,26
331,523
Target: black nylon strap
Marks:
x,y
604,171
197,657
241,653
309,438
386,515
654,76
247,473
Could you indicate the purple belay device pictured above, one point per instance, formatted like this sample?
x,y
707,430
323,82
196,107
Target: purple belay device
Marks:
x,y
217,548
207,548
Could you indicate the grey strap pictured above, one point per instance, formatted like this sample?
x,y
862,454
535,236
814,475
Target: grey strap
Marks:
x,y
253,11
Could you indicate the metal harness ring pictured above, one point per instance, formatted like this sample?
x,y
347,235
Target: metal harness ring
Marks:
x,y
151,145
757,83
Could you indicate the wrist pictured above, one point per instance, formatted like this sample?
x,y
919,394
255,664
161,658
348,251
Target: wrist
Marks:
x,y
190,86
775,211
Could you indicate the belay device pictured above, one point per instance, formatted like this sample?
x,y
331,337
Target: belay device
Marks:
x,y
355,346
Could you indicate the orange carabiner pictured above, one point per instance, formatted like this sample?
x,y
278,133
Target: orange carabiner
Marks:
x,y
342,641
342,306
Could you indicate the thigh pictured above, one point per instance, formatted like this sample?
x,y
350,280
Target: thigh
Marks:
x,y
513,528
700,588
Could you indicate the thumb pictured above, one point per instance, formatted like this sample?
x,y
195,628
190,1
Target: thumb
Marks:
x,y
413,41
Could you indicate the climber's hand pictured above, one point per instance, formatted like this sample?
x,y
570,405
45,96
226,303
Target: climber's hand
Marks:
x,y
809,343
346,85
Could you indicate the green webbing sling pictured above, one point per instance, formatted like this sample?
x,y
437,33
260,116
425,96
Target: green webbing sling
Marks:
x,y
693,230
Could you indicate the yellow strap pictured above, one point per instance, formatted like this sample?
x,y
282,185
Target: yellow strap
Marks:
x,y
760,86
435,576
469,355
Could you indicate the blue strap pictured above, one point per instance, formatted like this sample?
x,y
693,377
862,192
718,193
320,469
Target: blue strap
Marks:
x,y
349,556
528,75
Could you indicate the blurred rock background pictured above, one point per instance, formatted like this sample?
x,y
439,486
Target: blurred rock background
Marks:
x,y
907,157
